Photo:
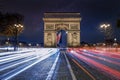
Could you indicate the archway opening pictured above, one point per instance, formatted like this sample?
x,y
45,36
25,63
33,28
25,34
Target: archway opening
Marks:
x,y
61,39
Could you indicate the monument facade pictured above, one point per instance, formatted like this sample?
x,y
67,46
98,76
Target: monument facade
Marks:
x,y
69,22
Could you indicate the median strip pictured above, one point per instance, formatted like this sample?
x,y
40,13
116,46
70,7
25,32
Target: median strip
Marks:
x,y
51,72
70,69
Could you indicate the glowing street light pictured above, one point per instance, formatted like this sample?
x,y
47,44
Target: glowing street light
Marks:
x,y
107,30
104,26
20,44
17,28
29,44
115,39
18,25
104,44
37,45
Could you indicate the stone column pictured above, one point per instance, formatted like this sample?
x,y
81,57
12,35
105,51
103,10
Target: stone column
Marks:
x,y
49,39
73,38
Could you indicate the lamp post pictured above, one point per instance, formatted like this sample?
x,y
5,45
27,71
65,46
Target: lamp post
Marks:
x,y
7,44
115,44
17,28
107,30
115,40
37,45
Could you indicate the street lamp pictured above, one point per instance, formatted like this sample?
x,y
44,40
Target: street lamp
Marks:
x,y
115,43
37,45
104,26
7,44
115,39
107,30
17,28
20,44
29,44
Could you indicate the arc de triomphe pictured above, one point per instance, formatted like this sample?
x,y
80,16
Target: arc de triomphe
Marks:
x,y
70,22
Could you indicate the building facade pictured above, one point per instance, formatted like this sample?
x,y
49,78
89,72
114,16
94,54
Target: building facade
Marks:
x,y
69,22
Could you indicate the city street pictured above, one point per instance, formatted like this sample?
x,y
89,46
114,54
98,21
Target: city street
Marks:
x,y
99,65
59,40
59,64
12,64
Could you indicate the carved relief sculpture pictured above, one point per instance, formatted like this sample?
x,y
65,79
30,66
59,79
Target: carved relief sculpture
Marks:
x,y
70,22
49,39
74,39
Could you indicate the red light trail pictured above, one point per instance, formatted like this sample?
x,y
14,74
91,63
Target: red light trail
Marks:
x,y
98,65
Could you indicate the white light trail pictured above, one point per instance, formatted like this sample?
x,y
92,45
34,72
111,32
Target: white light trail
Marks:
x,y
14,52
15,57
51,72
39,55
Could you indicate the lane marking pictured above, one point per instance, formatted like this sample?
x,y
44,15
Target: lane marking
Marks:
x,y
70,69
97,65
51,72
83,69
13,73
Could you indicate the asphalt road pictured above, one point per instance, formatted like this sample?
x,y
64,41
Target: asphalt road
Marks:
x,y
38,71
84,71
99,66
55,64
21,65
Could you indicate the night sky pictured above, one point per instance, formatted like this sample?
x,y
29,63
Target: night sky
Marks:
x,y
93,13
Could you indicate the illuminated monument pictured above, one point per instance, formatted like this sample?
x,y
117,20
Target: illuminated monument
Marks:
x,y
69,22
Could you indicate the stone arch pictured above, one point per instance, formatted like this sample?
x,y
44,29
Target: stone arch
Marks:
x,y
69,22
62,26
